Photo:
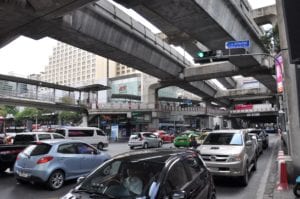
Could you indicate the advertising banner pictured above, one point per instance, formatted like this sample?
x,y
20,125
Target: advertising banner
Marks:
x,y
279,74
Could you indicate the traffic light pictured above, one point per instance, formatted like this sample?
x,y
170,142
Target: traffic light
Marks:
x,y
209,56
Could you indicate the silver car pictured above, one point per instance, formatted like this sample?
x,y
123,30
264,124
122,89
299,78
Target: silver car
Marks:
x,y
145,140
258,142
54,161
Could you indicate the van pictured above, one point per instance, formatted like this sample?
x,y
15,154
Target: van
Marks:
x,y
90,135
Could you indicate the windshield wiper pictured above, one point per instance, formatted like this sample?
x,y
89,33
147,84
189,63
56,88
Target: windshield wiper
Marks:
x,y
94,194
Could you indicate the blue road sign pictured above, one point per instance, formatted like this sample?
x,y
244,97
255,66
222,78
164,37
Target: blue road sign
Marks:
x,y
237,44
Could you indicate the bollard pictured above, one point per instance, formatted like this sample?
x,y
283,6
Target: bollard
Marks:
x,y
283,182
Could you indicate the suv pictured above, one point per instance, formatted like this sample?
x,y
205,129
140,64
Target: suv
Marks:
x,y
145,140
157,173
229,153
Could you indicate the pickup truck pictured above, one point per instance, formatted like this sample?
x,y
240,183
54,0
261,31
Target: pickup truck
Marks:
x,y
229,153
9,152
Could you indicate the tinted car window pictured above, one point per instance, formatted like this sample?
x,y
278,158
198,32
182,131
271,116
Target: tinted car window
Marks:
x,y
61,132
99,132
192,165
67,149
84,149
40,149
81,133
173,182
55,136
24,139
223,139
44,136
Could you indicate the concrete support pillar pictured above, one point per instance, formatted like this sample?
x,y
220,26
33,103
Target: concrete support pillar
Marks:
x,y
36,92
291,94
54,94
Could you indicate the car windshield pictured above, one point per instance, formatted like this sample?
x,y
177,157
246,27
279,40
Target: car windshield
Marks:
x,y
223,139
123,178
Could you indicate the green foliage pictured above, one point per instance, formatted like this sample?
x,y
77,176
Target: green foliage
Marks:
x,y
3,111
271,40
69,116
11,110
67,100
28,113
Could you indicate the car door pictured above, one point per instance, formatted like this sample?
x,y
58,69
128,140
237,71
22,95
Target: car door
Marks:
x,y
89,159
198,177
177,181
250,150
69,159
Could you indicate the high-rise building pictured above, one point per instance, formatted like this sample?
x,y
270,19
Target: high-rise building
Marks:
x,y
72,66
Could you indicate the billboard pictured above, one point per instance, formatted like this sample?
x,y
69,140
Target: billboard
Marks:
x,y
279,73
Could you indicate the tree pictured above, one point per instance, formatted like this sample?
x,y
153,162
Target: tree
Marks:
x,y
28,113
69,116
271,40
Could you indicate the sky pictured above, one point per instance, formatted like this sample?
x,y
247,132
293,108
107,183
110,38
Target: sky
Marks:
x,y
25,56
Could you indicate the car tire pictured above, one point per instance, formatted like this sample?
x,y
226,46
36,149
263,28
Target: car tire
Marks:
x,y
100,146
296,190
254,164
56,180
145,146
20,181
132,147
245,178
160,144
2,169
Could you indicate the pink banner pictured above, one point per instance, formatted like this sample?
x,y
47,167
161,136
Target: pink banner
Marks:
x,y
243,107
279,75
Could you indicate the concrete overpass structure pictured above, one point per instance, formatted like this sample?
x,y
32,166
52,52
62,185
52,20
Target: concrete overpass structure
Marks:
x,y
211,23
265,15
103,29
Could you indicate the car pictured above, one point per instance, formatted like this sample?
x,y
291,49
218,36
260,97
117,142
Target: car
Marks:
x,y
164,136
258,144
90,135
145,140
184,139
201,138
263,135
54,161
229,153
154,173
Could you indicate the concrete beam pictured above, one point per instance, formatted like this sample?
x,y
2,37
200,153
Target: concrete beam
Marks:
x,y
222,70
236,93
265,15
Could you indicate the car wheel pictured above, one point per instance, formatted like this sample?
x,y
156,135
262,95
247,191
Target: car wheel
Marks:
x,y
2,169
100,146
245,178
132,147
254,164
56,180
296,190
145,146
160,144
20,181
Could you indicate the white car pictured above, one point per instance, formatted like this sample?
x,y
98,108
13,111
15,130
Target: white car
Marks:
x,y
145,140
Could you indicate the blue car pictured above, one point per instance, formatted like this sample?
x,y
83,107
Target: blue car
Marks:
x,y
54,161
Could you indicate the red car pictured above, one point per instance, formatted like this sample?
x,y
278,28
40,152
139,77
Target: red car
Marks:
x,y
164,136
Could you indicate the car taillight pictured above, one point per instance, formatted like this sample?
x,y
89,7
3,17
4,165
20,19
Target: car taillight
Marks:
x,y
44,160
18,157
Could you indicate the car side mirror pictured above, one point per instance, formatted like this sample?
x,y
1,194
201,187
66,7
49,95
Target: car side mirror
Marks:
x,y
253,137
80,179
179,195
248,143
267,135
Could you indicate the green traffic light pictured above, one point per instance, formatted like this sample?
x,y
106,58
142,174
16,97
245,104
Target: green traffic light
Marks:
x,y
200,54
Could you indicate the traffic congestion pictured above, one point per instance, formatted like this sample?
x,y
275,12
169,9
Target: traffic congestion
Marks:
x,y
148,168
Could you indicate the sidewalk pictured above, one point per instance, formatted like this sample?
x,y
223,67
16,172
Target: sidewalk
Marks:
x,y
271,191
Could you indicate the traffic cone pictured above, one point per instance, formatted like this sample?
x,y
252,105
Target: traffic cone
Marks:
x,y
283,182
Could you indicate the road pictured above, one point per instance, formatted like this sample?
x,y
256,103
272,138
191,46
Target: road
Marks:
x,y
226,188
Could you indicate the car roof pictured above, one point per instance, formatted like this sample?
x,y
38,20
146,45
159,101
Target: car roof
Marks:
x,y
34,133
59,141
77,127
154,155
229,131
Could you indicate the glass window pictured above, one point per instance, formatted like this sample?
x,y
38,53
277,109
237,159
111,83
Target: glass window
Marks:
x,y
173,182
40,149
192,165
56,136
81,133
61,132
99,132
44,136
223,139
84,149
24,139
67,149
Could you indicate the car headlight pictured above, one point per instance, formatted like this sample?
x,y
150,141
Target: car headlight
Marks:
x,y
235,158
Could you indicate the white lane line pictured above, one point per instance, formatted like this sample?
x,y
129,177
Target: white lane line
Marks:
x,y
261,189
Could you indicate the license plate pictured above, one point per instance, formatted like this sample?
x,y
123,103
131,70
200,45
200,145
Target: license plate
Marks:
x,y
23,174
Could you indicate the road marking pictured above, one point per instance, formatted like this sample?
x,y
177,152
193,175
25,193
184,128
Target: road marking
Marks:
x,y
261,189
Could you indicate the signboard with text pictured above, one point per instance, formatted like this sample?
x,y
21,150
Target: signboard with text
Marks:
x,y
237,44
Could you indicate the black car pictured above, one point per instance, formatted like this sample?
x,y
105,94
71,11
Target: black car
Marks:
x,y
151,174
263,135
